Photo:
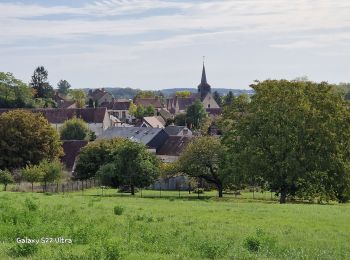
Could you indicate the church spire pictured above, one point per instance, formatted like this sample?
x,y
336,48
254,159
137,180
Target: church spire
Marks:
x,y
204,76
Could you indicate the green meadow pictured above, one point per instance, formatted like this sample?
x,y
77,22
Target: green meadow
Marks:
x,y
117,226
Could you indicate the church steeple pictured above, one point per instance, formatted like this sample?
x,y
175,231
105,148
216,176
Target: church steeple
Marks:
x,y
204,76
204,88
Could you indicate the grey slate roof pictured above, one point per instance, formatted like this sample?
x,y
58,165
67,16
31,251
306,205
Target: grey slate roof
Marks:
x,y
173,129
151,137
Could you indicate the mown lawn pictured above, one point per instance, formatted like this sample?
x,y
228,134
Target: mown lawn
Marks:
x,y
170,227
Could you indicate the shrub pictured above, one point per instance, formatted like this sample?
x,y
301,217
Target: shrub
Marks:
x,y
31,205
198,190
23,250
252,244
118,210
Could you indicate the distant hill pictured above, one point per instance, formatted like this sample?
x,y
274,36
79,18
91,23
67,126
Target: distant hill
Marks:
x,y
221,91
130,93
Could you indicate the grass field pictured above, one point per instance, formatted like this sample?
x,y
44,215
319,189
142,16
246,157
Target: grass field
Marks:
x,y
125,227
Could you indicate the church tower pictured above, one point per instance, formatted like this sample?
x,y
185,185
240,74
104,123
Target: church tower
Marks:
x,y
204,88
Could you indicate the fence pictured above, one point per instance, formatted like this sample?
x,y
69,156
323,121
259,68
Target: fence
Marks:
x,y
63,187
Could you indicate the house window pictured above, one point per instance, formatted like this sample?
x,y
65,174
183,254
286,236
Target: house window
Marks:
x,y
117,114
123,114
208,105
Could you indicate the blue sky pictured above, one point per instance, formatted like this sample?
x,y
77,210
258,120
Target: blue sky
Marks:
x,y
155,44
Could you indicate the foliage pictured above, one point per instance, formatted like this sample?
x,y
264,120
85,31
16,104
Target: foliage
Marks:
x,y
228,99
6,178
204,158
63,87
79,97
180,120
131,164
168,170
74,129
149,111
26,138
32,174
195,113
183,94
45,103
52,171
145,94
23,250
93,156
118,210
132,108
40,84
217,98
14,93
295,136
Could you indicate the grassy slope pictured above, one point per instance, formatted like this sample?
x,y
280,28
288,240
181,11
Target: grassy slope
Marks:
x,y
154,228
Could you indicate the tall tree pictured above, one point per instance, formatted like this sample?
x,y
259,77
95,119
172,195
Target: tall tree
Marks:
x,y
32,174
74,129
26,138
79,96
131,165
183,94
295,135
204,158
217,98
195,113
14,93
229,98
63,87
40,83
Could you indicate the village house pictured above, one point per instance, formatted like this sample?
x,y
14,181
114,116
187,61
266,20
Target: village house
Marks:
x,y
152,121
98,96
177,105
147,102
174,130
71,149
153,138
97,119
119,108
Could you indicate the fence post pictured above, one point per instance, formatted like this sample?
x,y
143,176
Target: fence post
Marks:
x,y
63,188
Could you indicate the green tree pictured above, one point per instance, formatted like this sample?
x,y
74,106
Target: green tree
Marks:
x,y
229,98
295,136
32,174
180,120
140,112
26,138
131,165
40,84
92,157
149,111
79,97
52,171
217,98
63,87
195,113
74,129
6,178
183,94
14,93
145,94
204,158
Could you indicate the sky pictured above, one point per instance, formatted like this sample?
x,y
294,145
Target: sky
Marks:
x,y
157,44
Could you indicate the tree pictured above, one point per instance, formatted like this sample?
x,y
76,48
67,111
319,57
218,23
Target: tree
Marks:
x,y
63,87
204,158
140,112
180,120
295,135
14,93
132,108
32,174
52,171
217,98
6,178
183,94
229,98
92,157
79,97
195,113
74,129
131,165
26,138
145,94
39,83
149,111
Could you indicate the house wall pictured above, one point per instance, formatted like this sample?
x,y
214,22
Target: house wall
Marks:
x,y
128,118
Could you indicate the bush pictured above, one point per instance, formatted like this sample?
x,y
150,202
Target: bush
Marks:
x,y
23,250
74,129
252,244
198,190
31,205
118,210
